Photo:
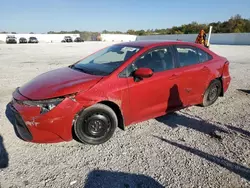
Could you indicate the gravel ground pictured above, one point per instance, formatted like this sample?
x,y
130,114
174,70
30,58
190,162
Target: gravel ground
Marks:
x,y
195,147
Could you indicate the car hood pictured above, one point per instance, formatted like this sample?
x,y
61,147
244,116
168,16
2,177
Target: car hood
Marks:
x,y
58,82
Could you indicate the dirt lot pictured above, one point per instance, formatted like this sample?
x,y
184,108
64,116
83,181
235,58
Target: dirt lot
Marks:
x,y
196,147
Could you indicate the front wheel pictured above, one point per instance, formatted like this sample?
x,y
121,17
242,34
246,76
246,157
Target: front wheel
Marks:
x,y
212,93
96,124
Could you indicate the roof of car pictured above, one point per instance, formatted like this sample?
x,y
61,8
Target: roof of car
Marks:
x,y
148,43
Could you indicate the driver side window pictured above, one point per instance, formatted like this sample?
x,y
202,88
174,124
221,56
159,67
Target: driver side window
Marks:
x,y
158,60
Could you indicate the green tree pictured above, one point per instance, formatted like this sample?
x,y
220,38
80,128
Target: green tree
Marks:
x,y
131,32
140,32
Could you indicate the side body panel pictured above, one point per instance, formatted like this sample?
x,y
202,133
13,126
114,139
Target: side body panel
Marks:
x,y
112,89
149,97
195,78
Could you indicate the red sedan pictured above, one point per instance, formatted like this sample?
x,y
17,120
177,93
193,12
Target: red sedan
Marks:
x,y
115,87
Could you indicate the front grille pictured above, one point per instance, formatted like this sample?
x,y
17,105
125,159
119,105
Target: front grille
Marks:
x,y
21,126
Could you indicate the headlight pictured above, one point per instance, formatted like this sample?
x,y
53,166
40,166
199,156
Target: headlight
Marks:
x,y
47,104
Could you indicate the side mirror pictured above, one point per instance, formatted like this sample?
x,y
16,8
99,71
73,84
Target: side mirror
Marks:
x,y
143,73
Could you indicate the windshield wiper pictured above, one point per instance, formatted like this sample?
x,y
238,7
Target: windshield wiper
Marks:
x,y
92,72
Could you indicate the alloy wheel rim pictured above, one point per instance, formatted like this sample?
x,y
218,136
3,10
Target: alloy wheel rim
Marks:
x,y
213,93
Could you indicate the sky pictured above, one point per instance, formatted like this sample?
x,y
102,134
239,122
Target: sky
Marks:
x,y
41,16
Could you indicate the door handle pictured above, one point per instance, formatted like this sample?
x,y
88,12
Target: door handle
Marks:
x,y
174,76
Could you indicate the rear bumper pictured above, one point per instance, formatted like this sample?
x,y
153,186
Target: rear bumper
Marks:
x,y
53,126
226,80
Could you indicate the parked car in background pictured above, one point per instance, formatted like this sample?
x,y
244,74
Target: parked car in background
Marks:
x,y
78,39
67,39
118,86
23,40
33,40
11,39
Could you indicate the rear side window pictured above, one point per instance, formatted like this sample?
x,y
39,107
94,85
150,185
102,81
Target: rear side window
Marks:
x,y
203,56
187,55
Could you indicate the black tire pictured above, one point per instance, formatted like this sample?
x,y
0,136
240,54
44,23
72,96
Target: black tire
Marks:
x,y
96,124
212,93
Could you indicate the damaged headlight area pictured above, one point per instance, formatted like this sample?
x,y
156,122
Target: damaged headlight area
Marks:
x,y
47,104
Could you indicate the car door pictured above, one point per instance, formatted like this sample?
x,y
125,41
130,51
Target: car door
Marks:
x,y
149,97
194,73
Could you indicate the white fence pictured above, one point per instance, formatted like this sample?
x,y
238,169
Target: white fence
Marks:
x,y
216,38
118,37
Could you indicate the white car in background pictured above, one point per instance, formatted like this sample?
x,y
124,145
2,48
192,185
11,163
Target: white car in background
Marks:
x,y
11,39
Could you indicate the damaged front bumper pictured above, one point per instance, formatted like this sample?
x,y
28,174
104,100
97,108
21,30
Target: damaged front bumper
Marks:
x,y
35,125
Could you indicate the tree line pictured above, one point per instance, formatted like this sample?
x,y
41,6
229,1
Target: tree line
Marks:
x,y
236,24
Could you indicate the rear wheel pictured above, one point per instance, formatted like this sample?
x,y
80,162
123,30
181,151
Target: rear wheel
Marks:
x,y
96,124
212,93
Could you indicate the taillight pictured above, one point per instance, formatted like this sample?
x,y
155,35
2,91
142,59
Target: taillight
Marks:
x,y
226,69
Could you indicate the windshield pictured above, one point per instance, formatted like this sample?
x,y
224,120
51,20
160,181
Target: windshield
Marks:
x,y
105,61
